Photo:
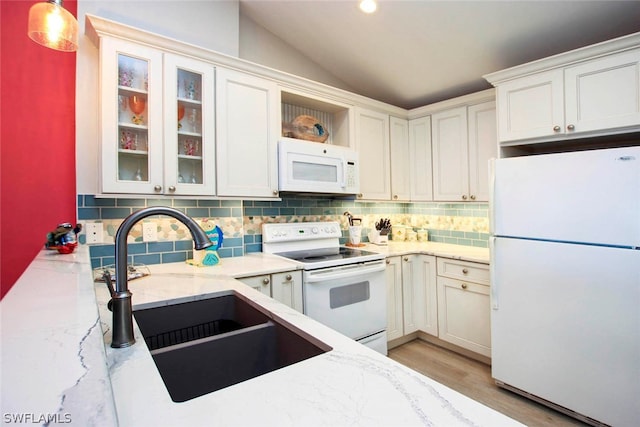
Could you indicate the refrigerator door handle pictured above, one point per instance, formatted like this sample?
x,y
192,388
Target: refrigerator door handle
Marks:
x,y
492,274
492,193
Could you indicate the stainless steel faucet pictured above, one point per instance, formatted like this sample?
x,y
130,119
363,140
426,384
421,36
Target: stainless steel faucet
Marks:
x,y
122,331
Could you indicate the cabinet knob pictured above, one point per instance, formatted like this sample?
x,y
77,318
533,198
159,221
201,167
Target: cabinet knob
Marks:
x,y
288,277
395,197
265,281
473,197
465,271
359,195
556,128
571,127
275,192
406,258
172,188
157,188
464,286
388,261
464,197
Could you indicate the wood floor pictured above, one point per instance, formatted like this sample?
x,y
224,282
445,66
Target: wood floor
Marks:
x,y
473,379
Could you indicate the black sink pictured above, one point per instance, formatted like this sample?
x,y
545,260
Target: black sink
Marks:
x,y
206,345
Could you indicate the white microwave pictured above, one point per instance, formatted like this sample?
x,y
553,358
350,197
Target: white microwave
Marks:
x,y
313,167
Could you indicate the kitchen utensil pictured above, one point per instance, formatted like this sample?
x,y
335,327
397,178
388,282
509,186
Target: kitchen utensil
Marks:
x,y
349,217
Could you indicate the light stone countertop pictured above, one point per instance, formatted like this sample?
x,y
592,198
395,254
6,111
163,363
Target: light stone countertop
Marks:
x,y
447,250
56,362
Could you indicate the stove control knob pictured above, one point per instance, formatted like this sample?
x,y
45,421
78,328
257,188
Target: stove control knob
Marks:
x,y
314,230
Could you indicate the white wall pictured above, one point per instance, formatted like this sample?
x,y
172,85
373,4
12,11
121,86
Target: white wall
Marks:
x,y
263,47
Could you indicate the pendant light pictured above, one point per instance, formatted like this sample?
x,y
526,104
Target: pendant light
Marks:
x,y
52,26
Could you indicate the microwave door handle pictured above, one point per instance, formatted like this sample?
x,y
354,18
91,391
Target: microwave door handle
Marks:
x,y
344,273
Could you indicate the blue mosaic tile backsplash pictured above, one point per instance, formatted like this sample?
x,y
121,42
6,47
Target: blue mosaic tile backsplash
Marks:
x,y
241,222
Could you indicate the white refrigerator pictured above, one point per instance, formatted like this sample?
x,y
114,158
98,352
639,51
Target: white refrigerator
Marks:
x,y
565,281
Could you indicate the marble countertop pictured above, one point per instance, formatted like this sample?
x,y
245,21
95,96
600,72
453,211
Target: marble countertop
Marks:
x,y
57,364
447,250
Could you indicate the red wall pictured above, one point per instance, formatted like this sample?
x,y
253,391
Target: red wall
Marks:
x,y
37,151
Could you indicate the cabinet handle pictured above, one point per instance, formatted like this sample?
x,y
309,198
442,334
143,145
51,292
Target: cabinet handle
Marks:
x,y
157,188
275,192
473,197
288,277
465,271
556,128
571,127
464,286
464,197
395,197
265,281
406,258
388,261
172,189
359,195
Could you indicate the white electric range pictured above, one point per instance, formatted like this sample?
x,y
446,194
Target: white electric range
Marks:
x,y
342,287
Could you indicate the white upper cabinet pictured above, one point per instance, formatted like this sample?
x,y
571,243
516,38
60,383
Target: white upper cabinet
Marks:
x,y
189,140
131,137
483,146
144,152
464,139
531,107
400,158
450,155
372,144
248,125
603,93
420,168
592,91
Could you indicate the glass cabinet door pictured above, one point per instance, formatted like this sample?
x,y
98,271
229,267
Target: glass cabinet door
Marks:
x,y
131,114
189,135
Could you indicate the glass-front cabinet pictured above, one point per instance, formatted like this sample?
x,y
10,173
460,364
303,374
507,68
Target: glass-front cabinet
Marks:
x,y
189,137
157,122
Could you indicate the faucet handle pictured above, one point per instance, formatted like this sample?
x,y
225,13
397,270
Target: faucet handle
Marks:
x,y
106,276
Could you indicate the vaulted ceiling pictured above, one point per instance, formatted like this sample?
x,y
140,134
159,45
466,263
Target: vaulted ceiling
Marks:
x,y
413,53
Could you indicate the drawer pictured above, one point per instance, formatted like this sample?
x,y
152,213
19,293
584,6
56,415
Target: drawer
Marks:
x,y
463,270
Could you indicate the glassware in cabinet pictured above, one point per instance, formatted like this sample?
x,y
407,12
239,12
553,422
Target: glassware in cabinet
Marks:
x,y
131,118
190,140
133,159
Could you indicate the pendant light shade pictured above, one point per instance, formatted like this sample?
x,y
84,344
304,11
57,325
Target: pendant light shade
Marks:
x,y
53,26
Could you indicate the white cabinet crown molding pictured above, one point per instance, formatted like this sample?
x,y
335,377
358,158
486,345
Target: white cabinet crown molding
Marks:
x,y
464,100
564,59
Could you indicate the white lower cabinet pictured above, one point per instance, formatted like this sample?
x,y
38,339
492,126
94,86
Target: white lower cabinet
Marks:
x,y
464,316
395,327
259,283
283,287
446,298
411,295
287,288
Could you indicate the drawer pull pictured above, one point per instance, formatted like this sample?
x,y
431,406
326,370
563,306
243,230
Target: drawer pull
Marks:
x,y
265,281
465,271
464,286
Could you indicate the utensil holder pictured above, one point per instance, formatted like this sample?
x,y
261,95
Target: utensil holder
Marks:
x,y
355,232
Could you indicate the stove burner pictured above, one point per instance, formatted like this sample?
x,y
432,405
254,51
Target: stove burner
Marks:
x,y
314,258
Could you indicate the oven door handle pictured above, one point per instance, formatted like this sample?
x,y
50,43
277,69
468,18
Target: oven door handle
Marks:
x,y
351,271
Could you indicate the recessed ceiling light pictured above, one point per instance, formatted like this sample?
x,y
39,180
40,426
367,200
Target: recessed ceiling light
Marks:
x,y
368,6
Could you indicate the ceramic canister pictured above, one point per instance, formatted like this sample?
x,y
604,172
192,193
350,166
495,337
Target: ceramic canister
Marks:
x,y
398,233
423,236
